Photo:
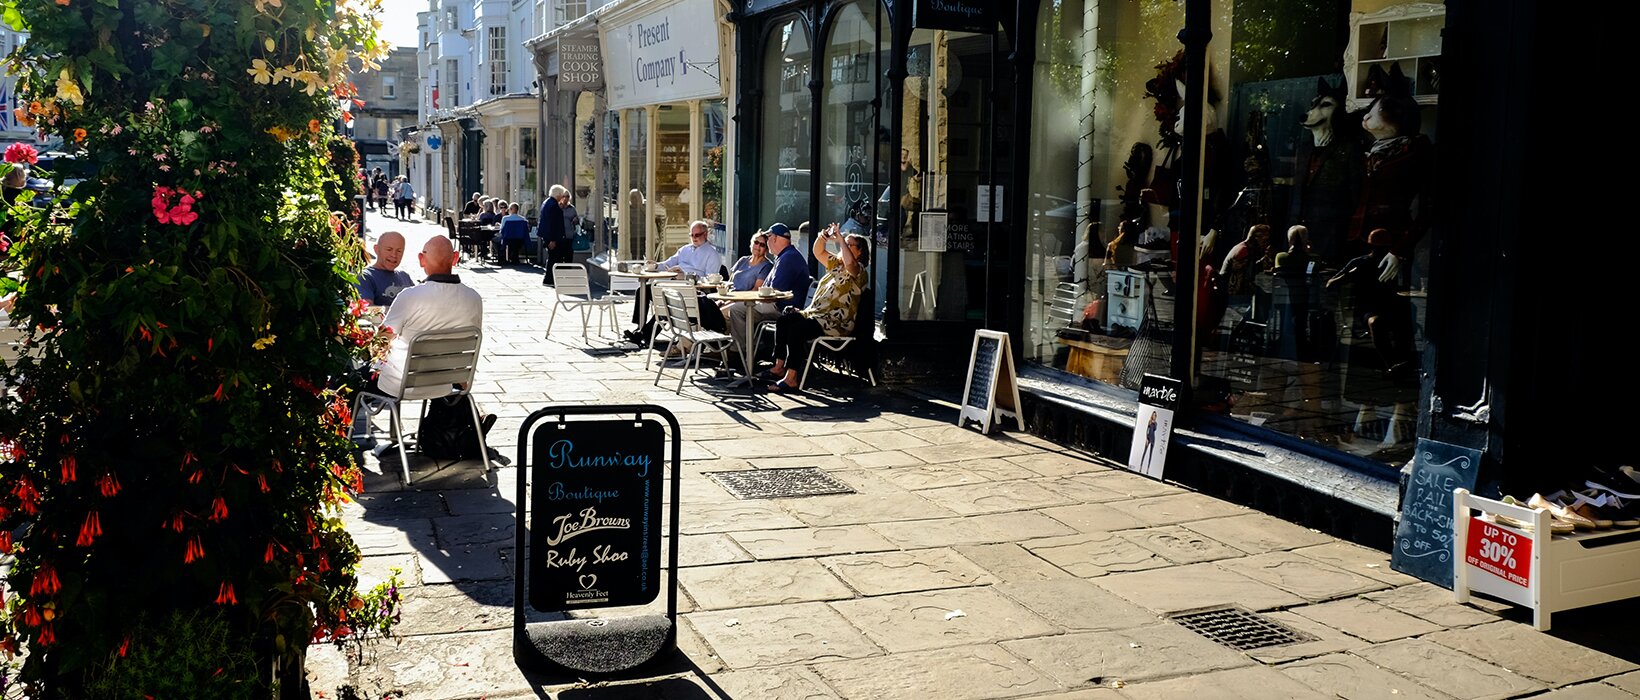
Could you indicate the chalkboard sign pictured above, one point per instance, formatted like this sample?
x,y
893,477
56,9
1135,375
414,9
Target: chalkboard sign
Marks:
x,y
992,390
1423,537
595,532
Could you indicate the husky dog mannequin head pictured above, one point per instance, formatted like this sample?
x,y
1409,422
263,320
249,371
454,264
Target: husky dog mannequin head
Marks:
x,y
1394,111
1326,112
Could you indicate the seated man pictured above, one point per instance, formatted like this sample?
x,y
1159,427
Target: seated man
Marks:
x,y
789,274
380,283
698,257
440,303
515,232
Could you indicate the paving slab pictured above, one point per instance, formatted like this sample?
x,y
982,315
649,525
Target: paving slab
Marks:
x,y
1011,562
932,476
706,550
1435,605
974,529
1257,533
1325,640
392,537
782,683
1180,545
1094,518
1357,560
1076,605
782,634
946,618
705,518
901,572
1585,691
1195,586
861,508
1253,683
1093,487
1095,554
881,459
965,673
1526,651
811,541
1177,508
1629,682
1368,620
1354,678
445,608
761,583
1130,655
1447,670
443,666
1060,463
377,568
1302,576
995,497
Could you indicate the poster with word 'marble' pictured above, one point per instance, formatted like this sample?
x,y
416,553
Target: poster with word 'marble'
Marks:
x,y
595,528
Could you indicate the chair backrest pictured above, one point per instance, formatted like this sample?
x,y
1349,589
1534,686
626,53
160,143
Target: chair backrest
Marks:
x,y
677,310
570,279
438,359
691,302
450,224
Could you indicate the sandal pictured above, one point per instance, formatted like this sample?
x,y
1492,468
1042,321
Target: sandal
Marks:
x,y
1605,507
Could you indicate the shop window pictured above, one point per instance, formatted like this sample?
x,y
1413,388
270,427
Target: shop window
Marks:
x,y
784,184
527,170
673,189
635,223
855,125
714,116
1314,118
390,87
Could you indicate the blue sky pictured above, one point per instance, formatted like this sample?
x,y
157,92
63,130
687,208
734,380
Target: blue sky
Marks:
x,y
399,21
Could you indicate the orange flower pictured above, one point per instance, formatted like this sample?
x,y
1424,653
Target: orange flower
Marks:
x,y
195,550
219,510
79,135
46,637
68,465
108,485
45,582
313,125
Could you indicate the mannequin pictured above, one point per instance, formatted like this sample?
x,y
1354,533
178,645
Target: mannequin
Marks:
x,y
1394,188
1327,173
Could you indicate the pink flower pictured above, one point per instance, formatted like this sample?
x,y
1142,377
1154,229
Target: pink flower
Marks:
x,y
117,130
22,152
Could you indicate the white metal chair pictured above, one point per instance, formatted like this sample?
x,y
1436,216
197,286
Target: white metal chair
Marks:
x,y
575,292
683,328
865,323
439,364
657,308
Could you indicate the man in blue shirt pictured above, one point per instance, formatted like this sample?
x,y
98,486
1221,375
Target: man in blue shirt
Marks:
x,y
789,274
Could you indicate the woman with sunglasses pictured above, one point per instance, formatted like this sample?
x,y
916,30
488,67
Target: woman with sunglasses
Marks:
x,y
831,312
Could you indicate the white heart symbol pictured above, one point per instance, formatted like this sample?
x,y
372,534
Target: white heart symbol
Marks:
x,y
588,580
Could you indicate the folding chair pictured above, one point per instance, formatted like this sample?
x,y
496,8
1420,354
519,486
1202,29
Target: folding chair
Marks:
x,y
439,364
683,328
575,292
865,322
767,327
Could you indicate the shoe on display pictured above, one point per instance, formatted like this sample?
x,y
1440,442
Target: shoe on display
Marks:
x,y
1606,507
1556,525
1561,512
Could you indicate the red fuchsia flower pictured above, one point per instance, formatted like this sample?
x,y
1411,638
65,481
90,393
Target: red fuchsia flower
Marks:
x,y
68,465
108,485
182,211
90,531
5,541
46,638
45,582
196,550
224,594
219,509
22,153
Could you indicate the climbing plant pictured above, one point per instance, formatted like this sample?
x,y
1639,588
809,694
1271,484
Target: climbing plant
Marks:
x,y
173,439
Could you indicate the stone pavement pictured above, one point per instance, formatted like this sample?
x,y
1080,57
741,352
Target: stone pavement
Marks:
x,y
965,566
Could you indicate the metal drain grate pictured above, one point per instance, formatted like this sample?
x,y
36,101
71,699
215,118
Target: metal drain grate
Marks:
x,y
779,483
1239,629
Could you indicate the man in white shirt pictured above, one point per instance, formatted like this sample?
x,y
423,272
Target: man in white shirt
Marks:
x,y
439,303
699,257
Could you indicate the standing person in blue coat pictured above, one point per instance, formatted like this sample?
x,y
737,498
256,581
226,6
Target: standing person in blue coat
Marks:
x,y
515,231
555,244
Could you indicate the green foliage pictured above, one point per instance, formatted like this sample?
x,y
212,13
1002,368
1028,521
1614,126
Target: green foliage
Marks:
x,y
343,183
185,655
175,439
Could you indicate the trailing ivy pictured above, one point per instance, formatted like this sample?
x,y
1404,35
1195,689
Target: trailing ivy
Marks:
x,y
174,441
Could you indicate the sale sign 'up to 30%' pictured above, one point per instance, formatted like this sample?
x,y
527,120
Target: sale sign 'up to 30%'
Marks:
x,y
1500,552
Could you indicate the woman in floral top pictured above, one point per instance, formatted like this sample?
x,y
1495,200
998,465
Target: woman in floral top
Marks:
x,y
831,312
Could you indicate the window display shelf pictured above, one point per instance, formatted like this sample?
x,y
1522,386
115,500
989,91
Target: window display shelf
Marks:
x,y
1406,35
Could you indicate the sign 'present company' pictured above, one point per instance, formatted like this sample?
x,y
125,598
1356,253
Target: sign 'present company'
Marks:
x,y
667,55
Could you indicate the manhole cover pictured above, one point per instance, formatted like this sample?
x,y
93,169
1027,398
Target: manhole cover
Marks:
x,y
1239,629
779,483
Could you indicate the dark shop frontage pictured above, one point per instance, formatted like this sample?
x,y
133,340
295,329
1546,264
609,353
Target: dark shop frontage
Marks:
x,y
1335,221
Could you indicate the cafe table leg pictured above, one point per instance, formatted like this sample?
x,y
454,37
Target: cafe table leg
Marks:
x,y
748,349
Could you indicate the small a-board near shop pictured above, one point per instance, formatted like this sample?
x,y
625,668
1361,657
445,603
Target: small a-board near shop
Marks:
x,y
1153,425
1423,533
592,538
992,390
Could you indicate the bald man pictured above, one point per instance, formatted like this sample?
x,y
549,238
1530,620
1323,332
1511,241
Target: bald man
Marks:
x,y
439,303
380,283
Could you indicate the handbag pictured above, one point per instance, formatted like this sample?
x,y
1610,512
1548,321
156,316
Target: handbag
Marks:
x,y
448,431
912,199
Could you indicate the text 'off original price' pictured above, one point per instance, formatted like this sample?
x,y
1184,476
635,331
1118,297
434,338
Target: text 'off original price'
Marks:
x,y
1499,552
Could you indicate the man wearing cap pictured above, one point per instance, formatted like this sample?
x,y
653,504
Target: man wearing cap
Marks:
x,y
790,273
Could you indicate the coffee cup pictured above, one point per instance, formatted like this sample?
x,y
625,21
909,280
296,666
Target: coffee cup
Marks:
x,y
650,266
767,291
714,278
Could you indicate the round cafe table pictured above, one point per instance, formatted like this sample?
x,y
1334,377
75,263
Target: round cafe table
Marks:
x,y
748,349
644,277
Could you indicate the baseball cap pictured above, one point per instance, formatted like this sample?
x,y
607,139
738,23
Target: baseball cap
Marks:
x,y
778,229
